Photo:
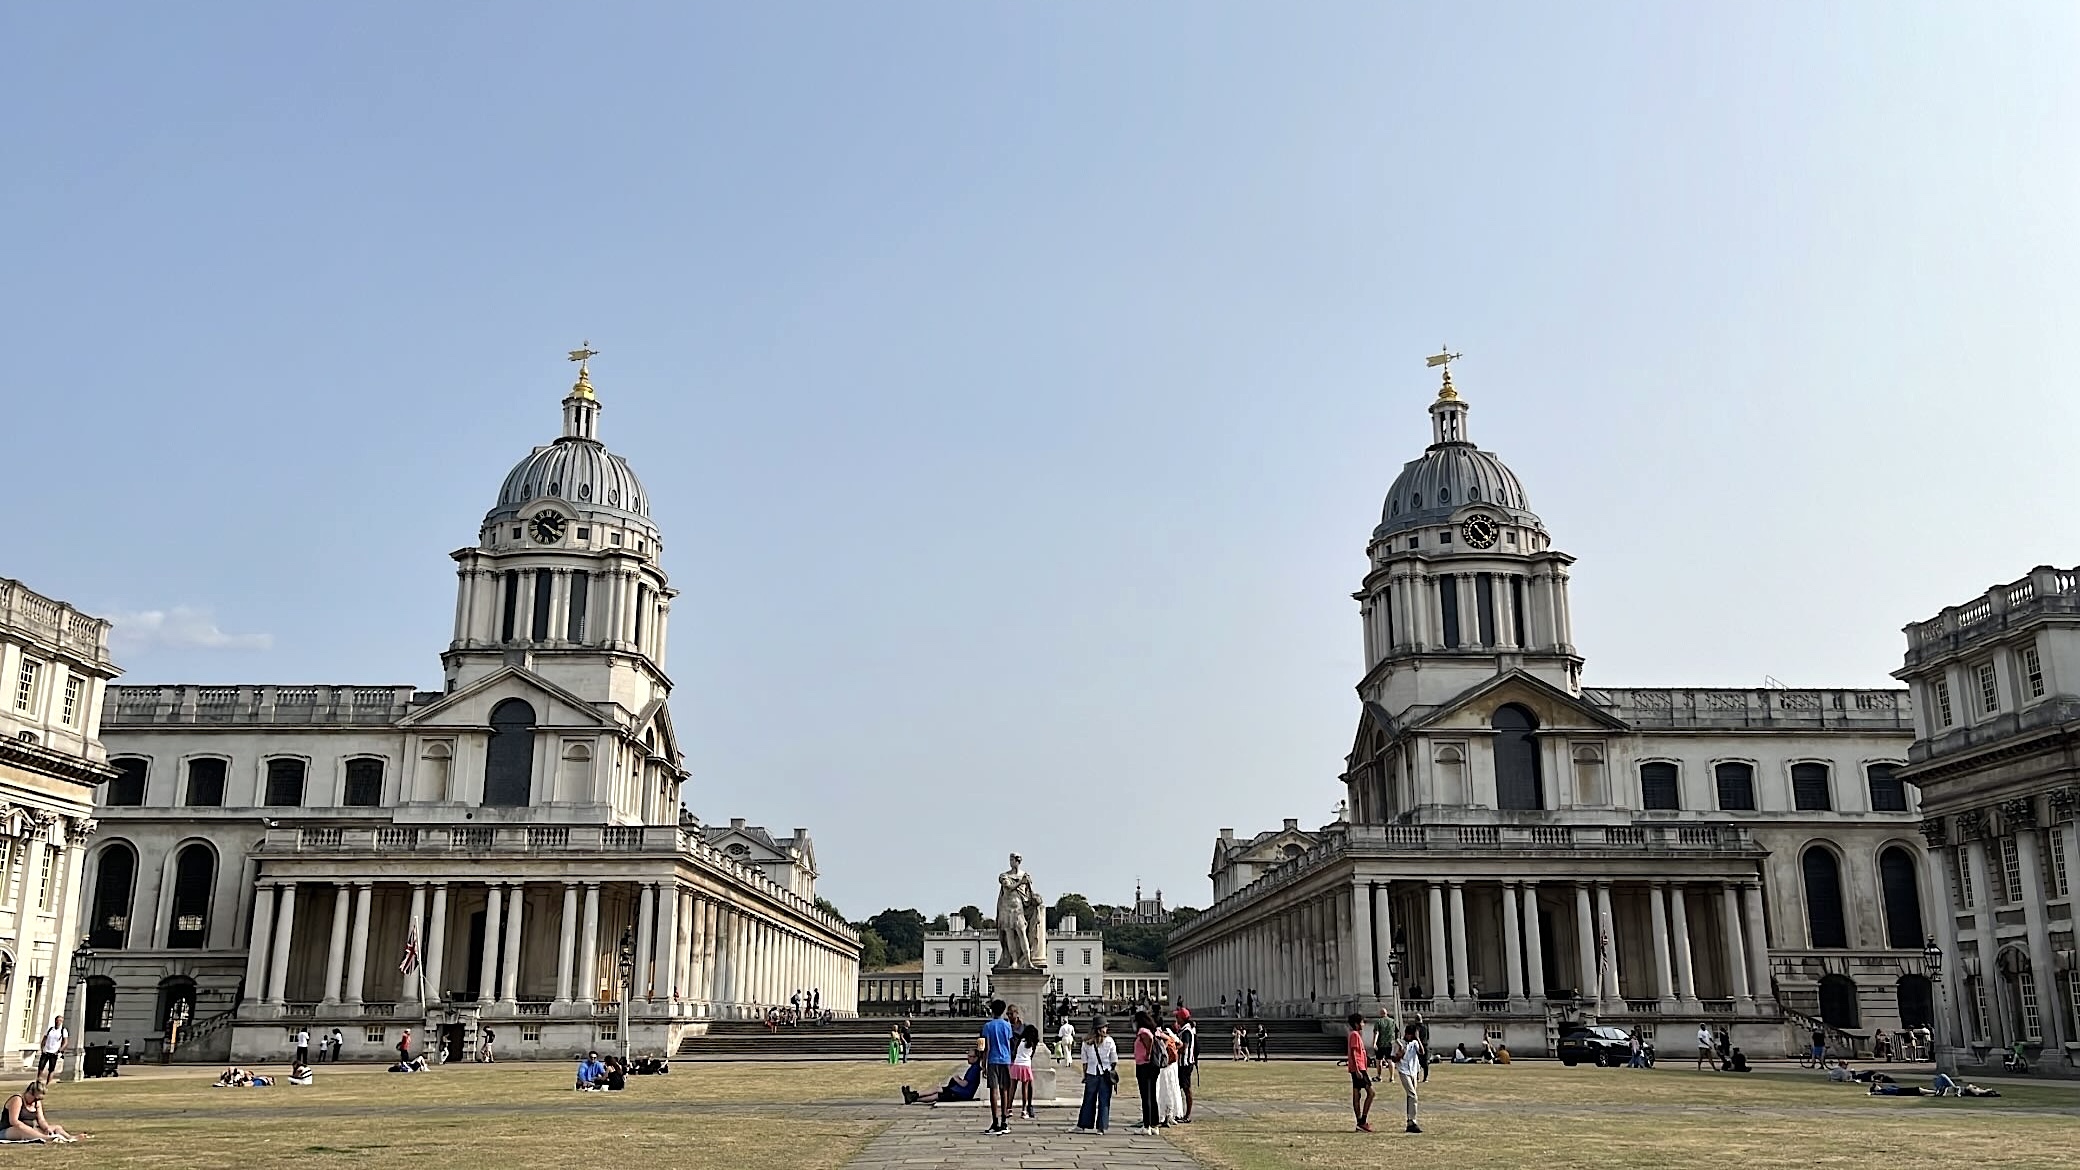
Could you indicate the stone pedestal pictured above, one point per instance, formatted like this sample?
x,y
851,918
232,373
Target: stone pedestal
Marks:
x,y
1026,991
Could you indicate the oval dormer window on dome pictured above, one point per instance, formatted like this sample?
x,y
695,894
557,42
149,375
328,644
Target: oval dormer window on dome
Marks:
x,y
584,491
1444,495
614,496
1416,501
555,488
1474,493
1394,509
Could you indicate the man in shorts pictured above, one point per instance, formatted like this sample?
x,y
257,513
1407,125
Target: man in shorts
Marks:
x,y
1355,1059
996,1057
1705,1055
1187,1058
54,1038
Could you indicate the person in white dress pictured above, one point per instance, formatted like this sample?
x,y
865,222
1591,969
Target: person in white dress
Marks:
x,y
1169,1093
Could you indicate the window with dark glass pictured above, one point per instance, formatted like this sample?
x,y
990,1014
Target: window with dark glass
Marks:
x,y
1736,782
580,586
1902,890
1825,925
193,881
101,1004
115,877
364,783
1484,600
205,783
1888,791
511,604
1517,780
285,782
127,789
1516,596
1809,792
509,760
538,624
1448,606
1658,786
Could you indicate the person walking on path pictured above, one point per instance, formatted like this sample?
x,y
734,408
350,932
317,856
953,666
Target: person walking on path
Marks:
x,y
485,1055
404,1047
996,1055
903,1034
1354,1059
303,1046
1413,1065
1064,1038
1639,1050
895,1044
1145,1070
1100,1074
1704,1048
53,1046
1187,1058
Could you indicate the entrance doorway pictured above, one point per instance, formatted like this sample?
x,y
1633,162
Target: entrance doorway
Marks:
x,y
453,1043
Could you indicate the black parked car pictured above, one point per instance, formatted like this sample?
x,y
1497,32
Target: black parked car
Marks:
x,y
1602,1047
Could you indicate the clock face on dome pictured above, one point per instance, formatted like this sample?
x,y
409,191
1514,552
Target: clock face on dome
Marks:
x,y
547,527
1479,530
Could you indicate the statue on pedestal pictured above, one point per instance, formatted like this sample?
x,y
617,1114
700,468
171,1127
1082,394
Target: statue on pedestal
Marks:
x,y
1021,921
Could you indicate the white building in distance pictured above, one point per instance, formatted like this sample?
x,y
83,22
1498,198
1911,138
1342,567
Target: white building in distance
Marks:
x,y
957,961
272,852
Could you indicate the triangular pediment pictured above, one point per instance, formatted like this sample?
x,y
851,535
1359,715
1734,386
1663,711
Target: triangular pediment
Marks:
x,y
1556,709
470,706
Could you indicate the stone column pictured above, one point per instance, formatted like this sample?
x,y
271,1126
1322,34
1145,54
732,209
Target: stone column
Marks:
x,y
1440,973
1758,938
1686,977
646,924
415,929
666,976
1736,952
2070,842
516,905
1512,938
718,960
494,913
1382,898
1607,943
284,930
357,952
437,944
697,982
2029,855
1942,866
523,609
256,950
588,947
1534,948
566,944
1657,906
1462,975
682,959
1589,977
336,953
1360,977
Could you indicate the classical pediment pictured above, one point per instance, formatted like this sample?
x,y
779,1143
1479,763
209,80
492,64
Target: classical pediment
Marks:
x,y
470,707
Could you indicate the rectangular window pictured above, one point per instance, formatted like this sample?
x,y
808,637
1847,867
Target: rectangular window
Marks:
x,y
1809,788
584,535
43,880
538,621
1086,956
205,783
2073,994
581,583
2011,866
11,859
2058,867
1086,987
1061,959
29,1006
642,603
967,956
938,956
531,1032
1943,713
1057,987
1658,786
1736,782
2032,1021
1964,880
512,603
1448,606
993,956
1484,601
967,985
938,987
374,1035
1978,1008
1989,689
616,537
2033,672
610,1032
1414,543
1888,792
25,685
1516,597
70,714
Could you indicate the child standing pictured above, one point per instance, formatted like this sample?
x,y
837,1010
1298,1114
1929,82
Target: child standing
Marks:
x,y
1361,1077
1409,1067
1022,1068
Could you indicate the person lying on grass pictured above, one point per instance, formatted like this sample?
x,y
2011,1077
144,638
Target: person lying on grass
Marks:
x,y
960,1086
24,1119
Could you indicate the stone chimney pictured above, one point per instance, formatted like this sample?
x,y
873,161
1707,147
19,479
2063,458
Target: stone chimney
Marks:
x,y
1067,924
1292,824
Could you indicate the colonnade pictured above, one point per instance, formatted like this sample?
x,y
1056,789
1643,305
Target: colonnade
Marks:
x,y
2018,870
689,952
1335,950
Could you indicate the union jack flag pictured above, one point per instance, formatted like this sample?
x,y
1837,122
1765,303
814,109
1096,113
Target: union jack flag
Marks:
x,y
410,962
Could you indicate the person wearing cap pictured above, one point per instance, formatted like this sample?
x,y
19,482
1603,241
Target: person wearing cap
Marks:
x,y
1187,1058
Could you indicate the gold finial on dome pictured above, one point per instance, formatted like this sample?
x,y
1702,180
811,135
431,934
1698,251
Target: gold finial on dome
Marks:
x,y
583,355
1445,358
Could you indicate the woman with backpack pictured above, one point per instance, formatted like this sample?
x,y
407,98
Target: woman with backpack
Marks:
x,y
1145,1070
1169,1089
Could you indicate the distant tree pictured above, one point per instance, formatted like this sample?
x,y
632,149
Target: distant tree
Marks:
x,y
902,931
973,914
1086,917
1182,915
873,950
941,925
824,904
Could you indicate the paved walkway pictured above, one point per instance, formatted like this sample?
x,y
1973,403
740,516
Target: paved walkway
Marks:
x,y
931,1139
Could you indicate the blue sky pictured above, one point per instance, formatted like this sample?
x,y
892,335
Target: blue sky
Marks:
x,y
1017,384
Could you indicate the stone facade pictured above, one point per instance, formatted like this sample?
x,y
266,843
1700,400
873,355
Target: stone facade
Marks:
x,y
957,961
273,852
54,667
1525,852
1996,757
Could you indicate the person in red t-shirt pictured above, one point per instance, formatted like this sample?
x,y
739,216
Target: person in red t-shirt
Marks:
x,y
1361,1079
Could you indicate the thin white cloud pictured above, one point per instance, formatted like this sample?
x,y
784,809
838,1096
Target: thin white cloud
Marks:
x,y
179,628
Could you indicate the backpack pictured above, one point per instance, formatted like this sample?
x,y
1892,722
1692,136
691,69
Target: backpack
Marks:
x,y
1159,1054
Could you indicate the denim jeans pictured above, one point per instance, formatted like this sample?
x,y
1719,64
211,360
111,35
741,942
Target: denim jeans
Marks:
x,y
1097,1103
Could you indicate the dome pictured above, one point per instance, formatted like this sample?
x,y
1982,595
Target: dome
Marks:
x,y
580,472
1449,477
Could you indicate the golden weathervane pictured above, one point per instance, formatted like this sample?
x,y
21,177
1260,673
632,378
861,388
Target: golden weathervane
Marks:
x,y
583,355
1444,358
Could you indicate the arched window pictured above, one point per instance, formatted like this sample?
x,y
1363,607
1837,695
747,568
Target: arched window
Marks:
x,y
285,782
174,990
509,762
205,783
127,789
1825,925
115,875
1838,1006
364,783
1888,792
1658,786
101,1004
574,779
1896,879
1517,783
194,880
1736,781
1916,1002
1809,792
435,771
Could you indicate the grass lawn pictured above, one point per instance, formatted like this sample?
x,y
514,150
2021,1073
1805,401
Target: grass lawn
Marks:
x,y
734,1116
1536,1114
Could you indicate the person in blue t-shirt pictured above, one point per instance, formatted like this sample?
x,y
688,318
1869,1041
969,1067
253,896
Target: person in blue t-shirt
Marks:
x,y
591,1073
996,1052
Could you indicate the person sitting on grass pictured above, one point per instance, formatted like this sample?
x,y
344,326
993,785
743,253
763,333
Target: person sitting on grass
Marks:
x,y
961,1086
591,1072
1502,1054
23,1119
300,1074
617,1075
1460,1055
1739,1063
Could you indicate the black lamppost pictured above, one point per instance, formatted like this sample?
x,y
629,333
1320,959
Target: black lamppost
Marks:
x,y
1932,958
82,966
628,978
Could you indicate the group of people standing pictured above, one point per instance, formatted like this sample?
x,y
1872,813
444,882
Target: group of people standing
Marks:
x,y
1165,1058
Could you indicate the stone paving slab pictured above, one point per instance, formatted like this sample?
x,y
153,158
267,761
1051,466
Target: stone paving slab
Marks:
x,y
944,1139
